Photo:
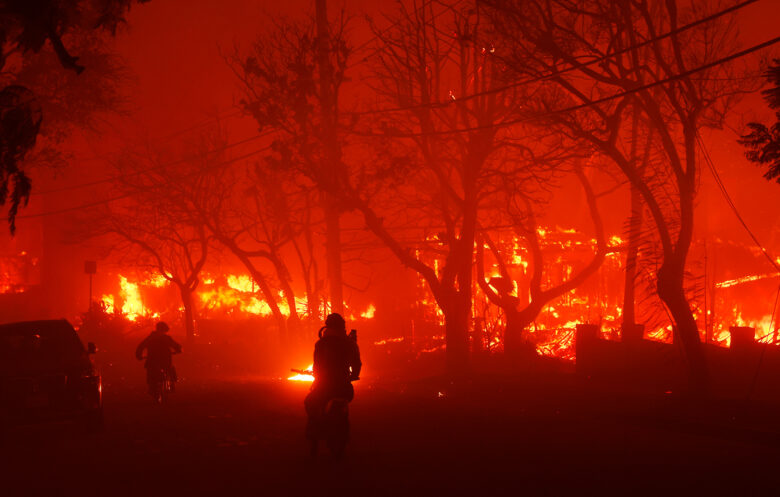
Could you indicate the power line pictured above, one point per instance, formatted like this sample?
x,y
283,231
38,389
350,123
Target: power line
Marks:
x,y
587,104
604,57
730,202
240,112
550,75
142,171
394,24
511,122
126,195
230,115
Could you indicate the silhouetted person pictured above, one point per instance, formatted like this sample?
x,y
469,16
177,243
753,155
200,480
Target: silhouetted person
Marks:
x,y
159,351
336,365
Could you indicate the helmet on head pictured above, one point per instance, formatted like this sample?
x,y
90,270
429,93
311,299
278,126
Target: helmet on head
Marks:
x,y
336,322
161,327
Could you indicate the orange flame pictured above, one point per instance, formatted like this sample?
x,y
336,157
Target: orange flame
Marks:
x,y
301,376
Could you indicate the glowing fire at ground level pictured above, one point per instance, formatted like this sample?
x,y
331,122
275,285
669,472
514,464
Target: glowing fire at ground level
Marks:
x,y
234,295
598,301
552,334
303,376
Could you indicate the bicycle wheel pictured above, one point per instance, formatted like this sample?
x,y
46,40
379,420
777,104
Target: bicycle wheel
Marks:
x,y
164,387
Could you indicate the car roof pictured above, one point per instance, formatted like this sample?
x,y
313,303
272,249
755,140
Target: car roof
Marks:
x,y
46,326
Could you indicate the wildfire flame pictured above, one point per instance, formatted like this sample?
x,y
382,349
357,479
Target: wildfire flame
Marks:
x,y
108,303
369,313
745,279
133,305
301,376
552,333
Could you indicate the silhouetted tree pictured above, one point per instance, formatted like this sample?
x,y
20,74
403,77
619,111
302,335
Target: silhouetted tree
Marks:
x,y
261,223
292,81
255,224
151,228
520,315
20,120
69,100
440,150
763,142
25,27
569,43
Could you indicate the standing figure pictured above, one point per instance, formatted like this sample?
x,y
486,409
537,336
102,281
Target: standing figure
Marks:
x,y
336,365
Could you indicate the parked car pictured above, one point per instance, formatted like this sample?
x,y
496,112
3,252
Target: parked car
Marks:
x,y
46,374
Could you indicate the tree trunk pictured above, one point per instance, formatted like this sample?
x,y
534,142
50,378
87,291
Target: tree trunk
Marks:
x,y
309,272
189,313
520,321
268,295
632,256
672,293
514,335
671,275
333,255
456,326
634,232
289,295
332,161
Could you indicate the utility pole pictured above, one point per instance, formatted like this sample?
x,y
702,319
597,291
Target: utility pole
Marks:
x,y
332,165
90,267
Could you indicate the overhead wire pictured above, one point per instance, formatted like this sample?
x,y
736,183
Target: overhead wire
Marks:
x,y
730,202
519,120
553,74
772,324
126,195
201,124
610,55
475,95
112,179
584,105
377,35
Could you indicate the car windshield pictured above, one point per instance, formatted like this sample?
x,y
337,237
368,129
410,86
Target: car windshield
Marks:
x,y
47,342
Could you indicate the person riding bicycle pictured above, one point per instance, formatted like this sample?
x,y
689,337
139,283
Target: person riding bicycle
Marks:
x,y
336,365
159,348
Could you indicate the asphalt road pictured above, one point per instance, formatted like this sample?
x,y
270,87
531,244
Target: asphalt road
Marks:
x,y
243,436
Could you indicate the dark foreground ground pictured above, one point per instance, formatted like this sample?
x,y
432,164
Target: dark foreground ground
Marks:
x,y
243,436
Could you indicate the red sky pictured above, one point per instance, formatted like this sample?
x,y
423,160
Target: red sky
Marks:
x,y
173,49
